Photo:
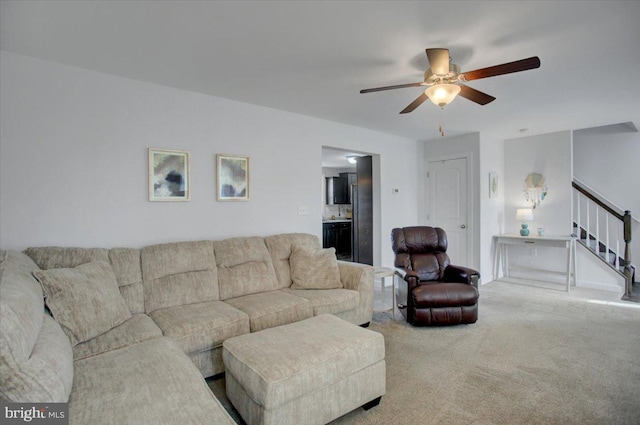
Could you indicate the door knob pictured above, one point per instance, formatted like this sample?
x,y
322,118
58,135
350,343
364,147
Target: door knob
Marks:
x,y
463,226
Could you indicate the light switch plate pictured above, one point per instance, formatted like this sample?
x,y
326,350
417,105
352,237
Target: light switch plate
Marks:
x,y
303,210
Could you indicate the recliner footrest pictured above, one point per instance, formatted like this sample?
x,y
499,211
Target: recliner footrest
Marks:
x,y
444,295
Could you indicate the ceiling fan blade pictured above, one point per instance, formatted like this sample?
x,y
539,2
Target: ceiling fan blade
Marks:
x,y
475,95
438,60
413,105
399,86
505,68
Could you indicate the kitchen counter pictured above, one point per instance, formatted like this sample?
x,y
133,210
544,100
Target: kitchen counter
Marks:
x,y
337,220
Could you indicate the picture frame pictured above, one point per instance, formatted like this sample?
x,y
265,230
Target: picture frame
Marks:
x,y
232,177
169,179
493,185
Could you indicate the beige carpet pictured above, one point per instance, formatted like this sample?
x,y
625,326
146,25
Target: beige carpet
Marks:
x,y
535,356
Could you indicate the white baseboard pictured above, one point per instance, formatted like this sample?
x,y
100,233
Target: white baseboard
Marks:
x,y
600,286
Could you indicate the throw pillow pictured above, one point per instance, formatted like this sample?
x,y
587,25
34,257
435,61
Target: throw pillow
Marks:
x,y
314,269
85,300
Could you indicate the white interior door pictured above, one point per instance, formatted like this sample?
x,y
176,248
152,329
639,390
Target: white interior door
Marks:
x,y
447,205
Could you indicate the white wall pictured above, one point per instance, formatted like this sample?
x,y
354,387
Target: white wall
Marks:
x,y
607,160
609,163
549,155
593,273
73,148
491,210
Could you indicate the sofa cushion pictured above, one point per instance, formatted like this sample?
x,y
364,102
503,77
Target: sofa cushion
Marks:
x,y
317,269
47,375
273,308
179,273
124,261
153,382
85,300
54,257
137,329
126,266
209,362
332,301
36,363
201,326
280,247
244,267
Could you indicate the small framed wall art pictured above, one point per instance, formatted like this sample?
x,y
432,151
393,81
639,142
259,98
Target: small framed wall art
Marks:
x,y
233,177
493,185
168,175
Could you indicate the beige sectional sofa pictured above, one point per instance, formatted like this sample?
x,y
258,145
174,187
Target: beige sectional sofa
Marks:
x,y
173,307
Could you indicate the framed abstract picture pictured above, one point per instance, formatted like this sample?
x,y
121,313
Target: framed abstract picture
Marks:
x,y
233,177
168,175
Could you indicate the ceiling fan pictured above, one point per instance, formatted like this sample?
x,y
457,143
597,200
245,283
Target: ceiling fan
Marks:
x,y
444,80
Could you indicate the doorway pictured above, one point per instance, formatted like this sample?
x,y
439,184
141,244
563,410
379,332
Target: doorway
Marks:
x,y
361,212
448,203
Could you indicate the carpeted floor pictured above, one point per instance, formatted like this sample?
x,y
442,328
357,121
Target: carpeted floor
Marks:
x,y
535,356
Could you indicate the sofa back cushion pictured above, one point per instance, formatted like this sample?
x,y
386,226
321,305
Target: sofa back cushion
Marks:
x,y
179,273
244,267
124,261
36,360
126,265
281,246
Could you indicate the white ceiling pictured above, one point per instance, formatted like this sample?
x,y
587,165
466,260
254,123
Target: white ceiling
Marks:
x,y
312,58
337,158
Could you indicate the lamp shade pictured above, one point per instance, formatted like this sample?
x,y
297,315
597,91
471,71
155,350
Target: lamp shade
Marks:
x,y
524,214
442,94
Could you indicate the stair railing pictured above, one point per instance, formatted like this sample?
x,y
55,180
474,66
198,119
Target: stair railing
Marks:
x,y
616,226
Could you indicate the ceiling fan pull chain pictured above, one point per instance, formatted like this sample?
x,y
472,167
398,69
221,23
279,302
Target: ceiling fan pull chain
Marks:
x,y
440,128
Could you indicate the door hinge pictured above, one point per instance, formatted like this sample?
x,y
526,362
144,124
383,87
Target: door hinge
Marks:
x,y
427,174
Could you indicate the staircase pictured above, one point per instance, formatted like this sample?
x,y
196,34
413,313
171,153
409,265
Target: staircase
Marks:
x,y
598,248
605,230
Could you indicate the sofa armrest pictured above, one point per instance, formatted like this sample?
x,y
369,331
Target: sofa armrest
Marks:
x,y
359,277
355,276
461,274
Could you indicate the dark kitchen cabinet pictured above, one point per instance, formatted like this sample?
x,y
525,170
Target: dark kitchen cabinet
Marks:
x,y
338,236
350,179
337,192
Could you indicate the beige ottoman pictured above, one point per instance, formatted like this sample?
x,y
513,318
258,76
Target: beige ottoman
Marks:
x,y
309,372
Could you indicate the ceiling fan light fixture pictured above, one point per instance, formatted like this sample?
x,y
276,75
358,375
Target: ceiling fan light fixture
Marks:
x,y
442,94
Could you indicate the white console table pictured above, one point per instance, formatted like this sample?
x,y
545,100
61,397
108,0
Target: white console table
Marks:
x,y
503,241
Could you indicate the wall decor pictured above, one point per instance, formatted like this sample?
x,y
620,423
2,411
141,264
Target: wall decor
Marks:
x,y
493,185
535,189
233,177
168,175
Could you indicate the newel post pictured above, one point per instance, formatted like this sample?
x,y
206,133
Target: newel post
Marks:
x,y
627,252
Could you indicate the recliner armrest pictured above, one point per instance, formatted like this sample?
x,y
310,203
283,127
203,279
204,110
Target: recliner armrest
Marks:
x,y
461,275
412,279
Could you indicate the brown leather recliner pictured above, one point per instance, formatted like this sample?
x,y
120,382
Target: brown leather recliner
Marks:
x,y
438,293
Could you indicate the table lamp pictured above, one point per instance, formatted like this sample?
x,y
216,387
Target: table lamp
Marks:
x,y
524,215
